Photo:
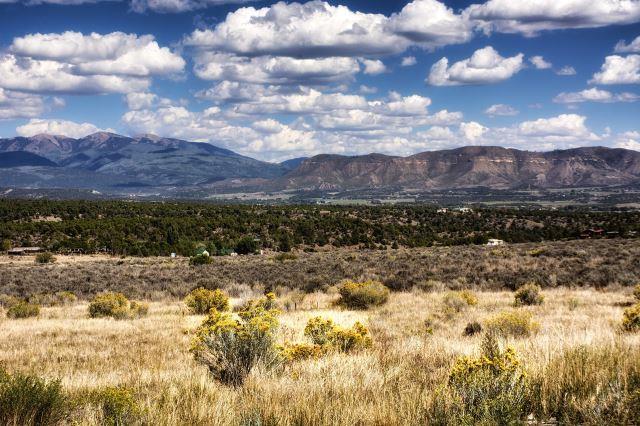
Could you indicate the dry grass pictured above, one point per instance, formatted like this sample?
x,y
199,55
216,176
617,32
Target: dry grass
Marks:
x,y
584,263
391,383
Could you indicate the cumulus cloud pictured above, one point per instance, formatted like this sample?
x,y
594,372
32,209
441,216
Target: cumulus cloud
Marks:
x,y
19,105
408,61
628,140
633,47
430,24
594,95
540,63
561,127
74,63
501,110
312,30
618,70
57,127
566,71
485,66
97,54
532,17
373,66
274,69
178,6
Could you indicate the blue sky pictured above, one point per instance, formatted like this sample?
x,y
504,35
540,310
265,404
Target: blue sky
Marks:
x,y
280,80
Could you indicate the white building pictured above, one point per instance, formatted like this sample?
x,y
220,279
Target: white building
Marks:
x,y
495,242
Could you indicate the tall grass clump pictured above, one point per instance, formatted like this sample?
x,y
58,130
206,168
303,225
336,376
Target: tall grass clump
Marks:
x,y
489,389
588,385
529,294
201,300
23,309
117,406
362,295
631,318
27,400
636,292
46,257
512,324
116,305
232,347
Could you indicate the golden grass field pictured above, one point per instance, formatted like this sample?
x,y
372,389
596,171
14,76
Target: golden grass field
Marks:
x,y
392,383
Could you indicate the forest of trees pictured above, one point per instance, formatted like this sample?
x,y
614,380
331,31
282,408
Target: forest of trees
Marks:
x,y
160,228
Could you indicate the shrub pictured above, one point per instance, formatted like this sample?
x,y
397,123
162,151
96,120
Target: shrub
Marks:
x,y
247,245
631,318
5,245
636,292
529,294
231,348
66,297
301,351
138,309
457,301
200,259
363,295
283,257
23,310
469,297
324,333
116,305
30,400
118,406
201,300
490,389
7,301
512,324
472,329
45,257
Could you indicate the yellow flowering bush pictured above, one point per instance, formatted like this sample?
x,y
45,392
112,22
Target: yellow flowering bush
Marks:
x,y
631,318
362,295
324,333
231,347
301,351
201,300
487,388
116,305
512,324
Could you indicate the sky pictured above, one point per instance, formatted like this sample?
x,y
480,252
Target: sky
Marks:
x,y
279,80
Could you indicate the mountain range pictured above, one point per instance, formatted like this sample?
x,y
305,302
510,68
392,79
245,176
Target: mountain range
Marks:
x,y
118,163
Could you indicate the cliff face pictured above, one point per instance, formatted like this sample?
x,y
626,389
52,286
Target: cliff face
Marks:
x,y
491,167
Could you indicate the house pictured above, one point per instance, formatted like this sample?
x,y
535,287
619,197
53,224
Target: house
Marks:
x,y
464,210
21,251
442,210
495,242
593,233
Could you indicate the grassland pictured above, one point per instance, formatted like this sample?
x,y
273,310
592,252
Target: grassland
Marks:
x,y
394,382
581,368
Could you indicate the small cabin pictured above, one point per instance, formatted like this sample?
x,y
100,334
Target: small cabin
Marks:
x,y
22,251
495,242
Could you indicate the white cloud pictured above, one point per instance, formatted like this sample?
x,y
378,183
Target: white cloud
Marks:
x,y
177,6
144,100
430,24
540,63
628,140
19,105
97,54
619,70
408,61
558,128
594,95
71,62
366,90
566,71
57,127
472,131
531,17
485,66
314,29
501,110
633,47
373,66
274,69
